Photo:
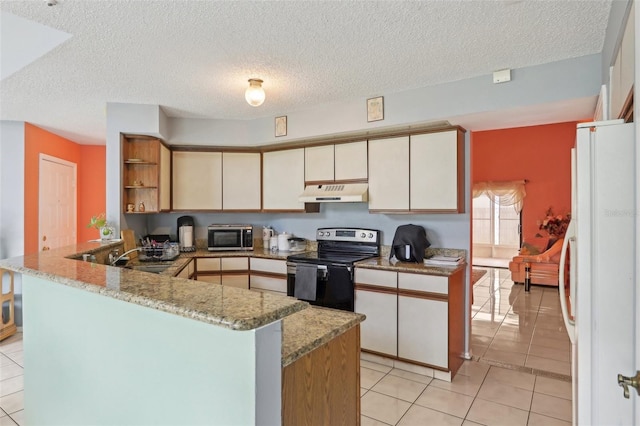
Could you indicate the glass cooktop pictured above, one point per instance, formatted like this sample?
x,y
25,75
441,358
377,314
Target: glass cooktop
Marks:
x,y
323,258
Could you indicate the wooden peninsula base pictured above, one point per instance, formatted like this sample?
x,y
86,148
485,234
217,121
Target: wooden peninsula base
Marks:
x,y
323,387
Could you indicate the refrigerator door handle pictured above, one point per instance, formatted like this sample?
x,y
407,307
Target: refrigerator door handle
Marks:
x,y
569,238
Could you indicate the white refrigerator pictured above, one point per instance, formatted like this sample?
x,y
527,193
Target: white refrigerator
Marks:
x,y
600,243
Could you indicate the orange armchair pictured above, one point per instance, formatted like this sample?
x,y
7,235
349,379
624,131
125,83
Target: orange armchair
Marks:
x,y
543,267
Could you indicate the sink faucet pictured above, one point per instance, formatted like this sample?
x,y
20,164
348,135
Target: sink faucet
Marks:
x,y
113,259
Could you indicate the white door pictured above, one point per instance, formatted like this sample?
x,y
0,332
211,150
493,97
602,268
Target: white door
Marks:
x,y
57,203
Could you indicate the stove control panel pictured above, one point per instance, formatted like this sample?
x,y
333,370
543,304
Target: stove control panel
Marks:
x,y
348,234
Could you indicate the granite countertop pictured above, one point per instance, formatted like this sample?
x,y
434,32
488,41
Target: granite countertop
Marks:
x,y
311,328
220,305
304,328
414,268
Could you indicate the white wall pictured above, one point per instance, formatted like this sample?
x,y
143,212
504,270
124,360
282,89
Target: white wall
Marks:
x,y
11,188
131,364
12,201
537,85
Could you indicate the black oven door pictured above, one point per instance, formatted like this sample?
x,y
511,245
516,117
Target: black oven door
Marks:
x,y
334,286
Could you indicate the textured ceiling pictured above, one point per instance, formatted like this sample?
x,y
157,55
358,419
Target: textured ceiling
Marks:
x,y
194,57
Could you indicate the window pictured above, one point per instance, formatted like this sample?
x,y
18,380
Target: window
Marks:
x,y
494,224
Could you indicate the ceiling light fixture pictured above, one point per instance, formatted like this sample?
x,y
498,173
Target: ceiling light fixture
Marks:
x,y
255,93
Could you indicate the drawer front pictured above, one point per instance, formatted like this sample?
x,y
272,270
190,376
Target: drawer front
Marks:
x,y
235,263
427,283
208,264
376,277
269,283
269,265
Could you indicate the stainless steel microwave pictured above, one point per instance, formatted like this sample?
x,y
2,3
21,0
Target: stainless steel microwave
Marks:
x,y
230,237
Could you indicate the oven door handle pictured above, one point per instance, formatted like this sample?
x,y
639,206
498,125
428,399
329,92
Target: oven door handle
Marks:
x,y
323,272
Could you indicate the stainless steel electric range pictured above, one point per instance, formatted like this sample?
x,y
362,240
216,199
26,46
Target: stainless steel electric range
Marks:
x,y
325,277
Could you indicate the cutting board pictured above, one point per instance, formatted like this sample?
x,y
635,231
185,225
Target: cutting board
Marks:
x,y
129,238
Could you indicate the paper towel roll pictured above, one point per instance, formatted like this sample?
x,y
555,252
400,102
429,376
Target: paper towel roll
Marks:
x,y
186,236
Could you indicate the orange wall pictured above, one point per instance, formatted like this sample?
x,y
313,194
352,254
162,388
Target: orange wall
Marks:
x,y
92,194
90,162
540,154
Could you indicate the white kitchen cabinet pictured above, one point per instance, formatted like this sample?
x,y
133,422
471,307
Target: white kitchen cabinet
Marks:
x,y
319,163
412,317
268,275
211,264
379,333
435,178
376,297
228,271
389,174
197,180
235,272
351,161
213,279
241,181
186,271
234,264
165,178
235,280
622,72
423,330
339,162
283,180
208,269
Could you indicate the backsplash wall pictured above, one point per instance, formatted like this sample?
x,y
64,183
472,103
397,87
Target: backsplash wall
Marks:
x,y
443,230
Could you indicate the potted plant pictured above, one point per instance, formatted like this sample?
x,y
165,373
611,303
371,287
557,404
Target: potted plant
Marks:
x,y
100,223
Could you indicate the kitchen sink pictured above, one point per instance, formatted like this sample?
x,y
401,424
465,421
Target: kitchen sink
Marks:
x,y
155,269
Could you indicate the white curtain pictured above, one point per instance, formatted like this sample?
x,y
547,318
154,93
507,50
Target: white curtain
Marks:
x,y
509,193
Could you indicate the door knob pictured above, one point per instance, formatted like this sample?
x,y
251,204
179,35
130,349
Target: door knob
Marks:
x,y
625,382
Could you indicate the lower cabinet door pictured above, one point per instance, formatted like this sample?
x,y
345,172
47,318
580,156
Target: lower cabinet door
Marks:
x,y
238,281
423,330
379,332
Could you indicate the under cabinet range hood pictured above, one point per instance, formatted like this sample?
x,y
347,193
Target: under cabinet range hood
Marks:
x,y
335,193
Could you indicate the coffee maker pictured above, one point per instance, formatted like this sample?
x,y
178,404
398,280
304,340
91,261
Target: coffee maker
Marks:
x,y
186,234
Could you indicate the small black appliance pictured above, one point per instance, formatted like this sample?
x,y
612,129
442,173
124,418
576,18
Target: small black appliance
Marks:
x,y
409,243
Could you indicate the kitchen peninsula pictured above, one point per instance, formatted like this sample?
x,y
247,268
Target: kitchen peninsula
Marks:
x,y
107,345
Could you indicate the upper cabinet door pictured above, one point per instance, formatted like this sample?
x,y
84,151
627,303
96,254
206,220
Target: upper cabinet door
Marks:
x,y
436,172
241,179
165,178
318,163
388,174
197,180
283,180
351,161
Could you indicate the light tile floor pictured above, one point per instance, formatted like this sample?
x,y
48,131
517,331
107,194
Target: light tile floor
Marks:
x,y
517,330
514,328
